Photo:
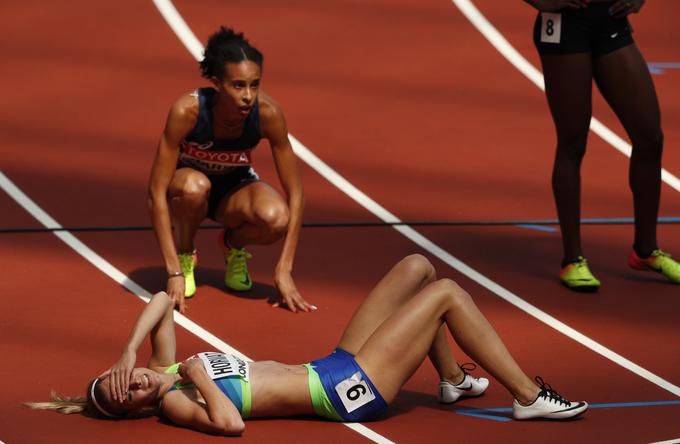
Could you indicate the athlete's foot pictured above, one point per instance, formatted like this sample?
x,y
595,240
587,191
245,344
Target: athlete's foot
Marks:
x,y
548,404
657,261
468,387
236,276
188,263
577,276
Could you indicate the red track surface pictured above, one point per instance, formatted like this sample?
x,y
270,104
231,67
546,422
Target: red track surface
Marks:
x,y
409,103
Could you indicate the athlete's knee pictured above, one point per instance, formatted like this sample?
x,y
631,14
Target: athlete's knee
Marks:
x,y
648,144
418,266
274,219
450,293
571,142
194,190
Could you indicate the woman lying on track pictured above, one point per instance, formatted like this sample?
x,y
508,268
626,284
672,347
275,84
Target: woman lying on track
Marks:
x,y
399,324
203,169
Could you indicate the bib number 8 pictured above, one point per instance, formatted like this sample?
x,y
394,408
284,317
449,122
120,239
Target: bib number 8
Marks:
x,y
354,393
551,27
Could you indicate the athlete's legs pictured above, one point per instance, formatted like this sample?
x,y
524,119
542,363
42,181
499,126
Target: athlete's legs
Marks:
x,y
624,80
401,283
254,214
568,87
396,349
188,197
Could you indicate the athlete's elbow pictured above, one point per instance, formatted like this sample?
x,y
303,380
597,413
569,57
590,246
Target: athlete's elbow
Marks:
x,y
234,427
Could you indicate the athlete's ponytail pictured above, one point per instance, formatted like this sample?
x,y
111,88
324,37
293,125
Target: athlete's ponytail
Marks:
x,y
68,405
227,46
61,404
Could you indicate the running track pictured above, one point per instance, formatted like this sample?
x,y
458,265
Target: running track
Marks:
x,y
410,104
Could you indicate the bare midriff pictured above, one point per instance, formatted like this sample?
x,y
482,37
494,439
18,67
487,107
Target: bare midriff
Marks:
x,y
279,390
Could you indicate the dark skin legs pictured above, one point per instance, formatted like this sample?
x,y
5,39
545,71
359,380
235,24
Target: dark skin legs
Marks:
x,y
624,81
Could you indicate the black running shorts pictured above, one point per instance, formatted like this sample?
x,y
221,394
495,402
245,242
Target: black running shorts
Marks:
x,y
227,184
590,30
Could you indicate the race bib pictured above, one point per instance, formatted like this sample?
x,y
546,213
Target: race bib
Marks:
x,y
354,392
221,365
551,27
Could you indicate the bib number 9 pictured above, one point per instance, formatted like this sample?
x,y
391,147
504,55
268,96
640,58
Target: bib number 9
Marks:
x,y
354,393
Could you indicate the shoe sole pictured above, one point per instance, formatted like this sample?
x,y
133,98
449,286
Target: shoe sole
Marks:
x,y
559,416
239,289
582,288
459,398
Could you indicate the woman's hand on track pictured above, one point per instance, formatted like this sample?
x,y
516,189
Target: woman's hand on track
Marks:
x,y
622,8
290,296
558,5
175,289
120,374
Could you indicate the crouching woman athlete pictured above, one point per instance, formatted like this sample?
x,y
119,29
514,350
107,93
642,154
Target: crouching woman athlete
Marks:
x,y
401,321
203,169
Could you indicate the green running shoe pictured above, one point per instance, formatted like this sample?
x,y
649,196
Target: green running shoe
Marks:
x,y
188,262
236,276
658,261
577,276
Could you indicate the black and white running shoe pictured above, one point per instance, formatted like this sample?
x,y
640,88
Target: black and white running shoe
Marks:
x,y
468,387
548,404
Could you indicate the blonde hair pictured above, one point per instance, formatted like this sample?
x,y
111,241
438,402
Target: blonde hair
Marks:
x,y
69,404
61,404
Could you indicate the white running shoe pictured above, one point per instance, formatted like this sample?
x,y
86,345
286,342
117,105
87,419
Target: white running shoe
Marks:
x,y
548,404
468,387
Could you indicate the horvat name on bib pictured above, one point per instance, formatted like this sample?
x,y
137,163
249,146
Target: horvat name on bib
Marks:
x,y
221,365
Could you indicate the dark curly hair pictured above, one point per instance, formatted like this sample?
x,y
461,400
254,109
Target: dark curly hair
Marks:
x,y
227,46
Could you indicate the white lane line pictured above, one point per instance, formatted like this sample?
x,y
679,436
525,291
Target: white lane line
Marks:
x,y
471,273
106,267
360,197
670,441
513,56
181,28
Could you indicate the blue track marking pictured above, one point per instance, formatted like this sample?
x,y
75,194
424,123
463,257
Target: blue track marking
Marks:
x,y
593,221
659,68
485,413
538,227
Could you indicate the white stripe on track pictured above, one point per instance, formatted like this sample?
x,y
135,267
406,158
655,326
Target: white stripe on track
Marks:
x,y
513,56
104,266
670,441
107,268
181,28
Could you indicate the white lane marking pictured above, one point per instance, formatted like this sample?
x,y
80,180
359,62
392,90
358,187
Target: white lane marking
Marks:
x,y
369,204
513,56
106,267
670,441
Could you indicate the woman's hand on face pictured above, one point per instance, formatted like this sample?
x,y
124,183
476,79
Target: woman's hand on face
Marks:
x,y
622,8
175,289
558,5
120,375
289,294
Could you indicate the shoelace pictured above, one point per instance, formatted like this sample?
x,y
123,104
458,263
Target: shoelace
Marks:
x,y
550,394
581,263
237,260
466,368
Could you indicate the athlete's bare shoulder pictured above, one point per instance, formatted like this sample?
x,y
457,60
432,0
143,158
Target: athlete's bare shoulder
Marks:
x,y
183,116
186,106
270,110
272,122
